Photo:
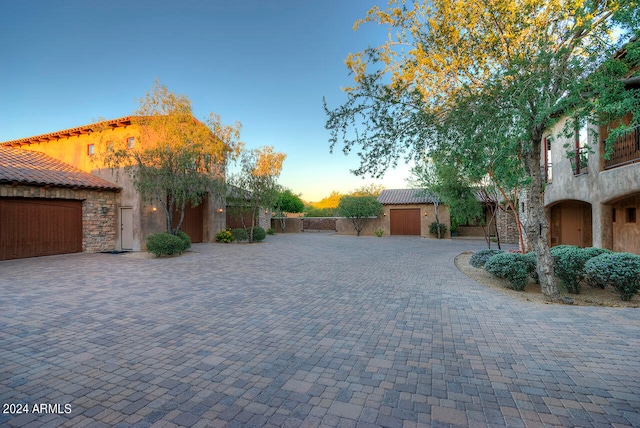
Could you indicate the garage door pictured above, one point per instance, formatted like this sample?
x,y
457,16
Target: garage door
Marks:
x,y
405,222
39,227
192,224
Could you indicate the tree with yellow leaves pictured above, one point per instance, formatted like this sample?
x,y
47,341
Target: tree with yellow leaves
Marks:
x,y
255,187
176,159
473,75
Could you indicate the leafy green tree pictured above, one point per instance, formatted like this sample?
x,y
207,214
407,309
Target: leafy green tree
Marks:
x,y
176,159
255,187
451,187
287,202
358,209
509,67
371,189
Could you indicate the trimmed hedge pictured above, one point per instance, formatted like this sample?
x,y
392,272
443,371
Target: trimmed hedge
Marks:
x,y
532,264
510,266
479,258
239,234
569,262
185,239
620,270
259,234
165,244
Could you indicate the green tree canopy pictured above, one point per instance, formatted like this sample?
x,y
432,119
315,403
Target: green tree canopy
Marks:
x,y
487,79
358,209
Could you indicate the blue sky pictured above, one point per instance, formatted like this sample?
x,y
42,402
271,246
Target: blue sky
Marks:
x,y
265,63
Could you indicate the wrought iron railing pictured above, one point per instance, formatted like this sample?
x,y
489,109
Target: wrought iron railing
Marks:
x,y
626,149
580,161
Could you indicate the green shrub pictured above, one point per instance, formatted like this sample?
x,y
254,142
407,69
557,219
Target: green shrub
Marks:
x,y
510,266
569,262
259,234
620,270
321,212
225,236
433,229
379,232
186,241
532,264
164,243
239,234
271,231
479,258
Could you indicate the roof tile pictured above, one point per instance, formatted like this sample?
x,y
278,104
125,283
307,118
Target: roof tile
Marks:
x,y
406,197
35,168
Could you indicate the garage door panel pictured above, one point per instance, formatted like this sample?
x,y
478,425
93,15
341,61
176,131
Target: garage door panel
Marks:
x,y
39,227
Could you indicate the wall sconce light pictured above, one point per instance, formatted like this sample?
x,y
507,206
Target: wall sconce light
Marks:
x,y
219,210
425,214
385,214
153,210
104,209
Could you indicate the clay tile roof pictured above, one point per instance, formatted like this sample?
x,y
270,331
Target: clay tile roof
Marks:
x,y
85,129
34,168
406,197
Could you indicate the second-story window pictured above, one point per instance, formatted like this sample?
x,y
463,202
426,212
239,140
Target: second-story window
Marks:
x,y
580,159
90,149
548,170
131,142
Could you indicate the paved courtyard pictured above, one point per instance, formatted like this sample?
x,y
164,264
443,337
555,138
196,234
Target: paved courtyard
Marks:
x,y
303,330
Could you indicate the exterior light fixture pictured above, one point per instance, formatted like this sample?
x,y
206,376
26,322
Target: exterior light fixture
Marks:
x,y
153,210
219,210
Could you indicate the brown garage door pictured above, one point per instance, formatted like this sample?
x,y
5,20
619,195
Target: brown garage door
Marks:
x,y
39,227
193,222
405,221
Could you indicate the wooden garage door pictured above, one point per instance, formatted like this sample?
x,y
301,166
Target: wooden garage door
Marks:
x,y
405,222
39,227
192,224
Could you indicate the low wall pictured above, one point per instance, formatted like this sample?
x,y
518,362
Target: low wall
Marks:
x,y
292,225
324,224
345,227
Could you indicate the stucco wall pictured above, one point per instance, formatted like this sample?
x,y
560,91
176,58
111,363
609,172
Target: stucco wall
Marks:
x,y
98,211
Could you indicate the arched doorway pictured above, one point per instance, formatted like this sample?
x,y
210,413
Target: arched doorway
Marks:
x,y
571,224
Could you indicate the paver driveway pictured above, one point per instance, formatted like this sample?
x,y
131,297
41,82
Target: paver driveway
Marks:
x,y
303,330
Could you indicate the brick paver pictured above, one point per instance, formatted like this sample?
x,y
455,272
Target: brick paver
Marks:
x,y
303,330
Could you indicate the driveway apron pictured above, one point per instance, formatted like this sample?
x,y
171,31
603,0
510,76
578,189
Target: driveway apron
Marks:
x,y
303,330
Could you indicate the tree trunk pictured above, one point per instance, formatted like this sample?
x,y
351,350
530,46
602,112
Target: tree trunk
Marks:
x,y
537,226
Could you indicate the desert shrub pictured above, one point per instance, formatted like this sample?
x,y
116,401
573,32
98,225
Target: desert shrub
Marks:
x,y
225,236
164,243
569,262
479,258
321,212
271,231
620,270
186,241
568,265
433,229
510,266
379,232
239,234
259,234
532,264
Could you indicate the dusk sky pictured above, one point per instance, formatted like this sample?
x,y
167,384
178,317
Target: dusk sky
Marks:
x,y
265,63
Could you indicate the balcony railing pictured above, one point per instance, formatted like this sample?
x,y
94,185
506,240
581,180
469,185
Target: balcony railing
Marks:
x,y
626,149
580,161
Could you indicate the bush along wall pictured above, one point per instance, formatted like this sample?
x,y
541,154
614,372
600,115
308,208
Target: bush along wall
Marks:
x,y
620,270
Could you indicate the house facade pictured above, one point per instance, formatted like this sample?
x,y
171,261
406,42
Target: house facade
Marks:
x,y
591,201
134,217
